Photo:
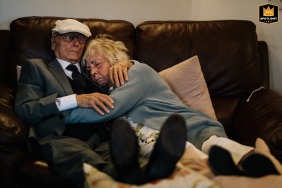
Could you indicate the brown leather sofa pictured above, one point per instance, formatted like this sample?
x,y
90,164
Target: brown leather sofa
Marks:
x,y
234,64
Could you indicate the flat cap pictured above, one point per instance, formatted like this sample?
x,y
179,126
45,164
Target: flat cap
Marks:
x,y
71,25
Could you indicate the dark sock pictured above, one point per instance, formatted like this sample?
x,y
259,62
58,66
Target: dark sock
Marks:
x,y
221,162
258,165
168,149
125,153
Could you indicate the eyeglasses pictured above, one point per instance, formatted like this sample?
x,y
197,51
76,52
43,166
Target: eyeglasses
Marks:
x,y
70,36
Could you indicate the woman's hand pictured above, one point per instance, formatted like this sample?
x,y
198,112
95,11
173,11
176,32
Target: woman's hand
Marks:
x,y
118,72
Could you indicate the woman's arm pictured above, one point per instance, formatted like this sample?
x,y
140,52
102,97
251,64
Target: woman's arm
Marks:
x,y
126,97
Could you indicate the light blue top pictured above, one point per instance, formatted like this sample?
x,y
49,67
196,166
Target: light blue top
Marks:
x,y
147,99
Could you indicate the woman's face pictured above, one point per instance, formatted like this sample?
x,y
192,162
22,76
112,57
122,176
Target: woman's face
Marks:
x,y
98,67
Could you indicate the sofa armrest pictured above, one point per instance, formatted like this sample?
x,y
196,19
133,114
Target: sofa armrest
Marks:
x,y
12,130
13,135
260,117
4,53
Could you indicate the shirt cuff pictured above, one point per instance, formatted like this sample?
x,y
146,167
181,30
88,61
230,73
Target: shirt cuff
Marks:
x,y
66,103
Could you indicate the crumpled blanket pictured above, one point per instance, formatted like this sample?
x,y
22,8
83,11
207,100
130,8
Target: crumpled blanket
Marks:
x,y
192,171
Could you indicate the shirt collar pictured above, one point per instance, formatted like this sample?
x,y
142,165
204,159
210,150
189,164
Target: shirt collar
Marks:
x,y
64,64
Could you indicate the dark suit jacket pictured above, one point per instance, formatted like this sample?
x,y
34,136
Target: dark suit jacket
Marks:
x,y
40,83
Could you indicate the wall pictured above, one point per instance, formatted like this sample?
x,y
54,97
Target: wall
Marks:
x,y
137,11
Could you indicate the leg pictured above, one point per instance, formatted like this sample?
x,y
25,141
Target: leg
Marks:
x,y
258,165
147,149
221,162
236,150
253,164
260,162
125,154
168,149
66,155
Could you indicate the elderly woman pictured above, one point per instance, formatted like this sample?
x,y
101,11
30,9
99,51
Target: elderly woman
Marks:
x,y
146,101
145,98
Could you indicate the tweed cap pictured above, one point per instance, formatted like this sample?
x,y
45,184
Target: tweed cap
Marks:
x,y
70,25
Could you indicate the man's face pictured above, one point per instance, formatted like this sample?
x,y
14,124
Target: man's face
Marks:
x,y
98,67
69,46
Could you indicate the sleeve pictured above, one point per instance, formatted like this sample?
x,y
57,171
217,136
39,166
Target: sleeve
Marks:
x,y
31,102
126,97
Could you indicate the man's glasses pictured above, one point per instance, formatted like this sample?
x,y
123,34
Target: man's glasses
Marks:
x,y
70,36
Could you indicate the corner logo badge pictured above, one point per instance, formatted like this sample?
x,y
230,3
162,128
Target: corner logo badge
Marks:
x,y
268,13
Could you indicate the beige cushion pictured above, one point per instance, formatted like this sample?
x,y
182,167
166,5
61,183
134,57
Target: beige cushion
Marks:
x,y
191,171
182,177
272,181
187,81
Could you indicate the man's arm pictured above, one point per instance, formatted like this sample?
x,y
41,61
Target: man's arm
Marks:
x,y
39,95
35,100
99,102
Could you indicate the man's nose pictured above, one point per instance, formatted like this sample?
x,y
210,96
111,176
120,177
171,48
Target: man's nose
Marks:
x,y
75,41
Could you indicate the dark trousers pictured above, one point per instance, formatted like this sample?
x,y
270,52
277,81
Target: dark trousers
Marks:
x,y
67,155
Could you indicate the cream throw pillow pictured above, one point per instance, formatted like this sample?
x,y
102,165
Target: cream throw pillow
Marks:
x,y
187,81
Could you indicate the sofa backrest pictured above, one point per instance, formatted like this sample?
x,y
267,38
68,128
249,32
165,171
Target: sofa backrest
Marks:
x,y
227,50
31,37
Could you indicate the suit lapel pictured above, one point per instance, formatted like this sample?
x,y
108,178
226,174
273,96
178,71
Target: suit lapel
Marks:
x,y
58,72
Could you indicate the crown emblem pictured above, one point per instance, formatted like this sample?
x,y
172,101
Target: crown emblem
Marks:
x,y
268,11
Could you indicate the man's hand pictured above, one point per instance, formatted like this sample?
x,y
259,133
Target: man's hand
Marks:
x,y
99,102
118,72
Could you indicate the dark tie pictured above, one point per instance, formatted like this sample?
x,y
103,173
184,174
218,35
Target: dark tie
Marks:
x,y
79,85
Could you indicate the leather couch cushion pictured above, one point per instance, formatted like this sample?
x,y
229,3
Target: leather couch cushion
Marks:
x,y
228,51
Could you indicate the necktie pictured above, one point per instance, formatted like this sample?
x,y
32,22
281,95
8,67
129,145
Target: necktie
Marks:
x,y
79,85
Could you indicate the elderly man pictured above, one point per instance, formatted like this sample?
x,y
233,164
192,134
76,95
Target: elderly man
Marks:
x,y
46,89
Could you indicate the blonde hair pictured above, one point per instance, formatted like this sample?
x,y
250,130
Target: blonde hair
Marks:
x,y
103,44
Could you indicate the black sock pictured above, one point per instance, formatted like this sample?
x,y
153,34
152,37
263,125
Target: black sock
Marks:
x,y
221,162
258,165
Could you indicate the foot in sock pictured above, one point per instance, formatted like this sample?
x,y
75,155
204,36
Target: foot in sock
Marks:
x,y
258,165
168,149
124,153
252,165
221,162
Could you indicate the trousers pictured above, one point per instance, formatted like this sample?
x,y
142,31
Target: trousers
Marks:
x,y
67,155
